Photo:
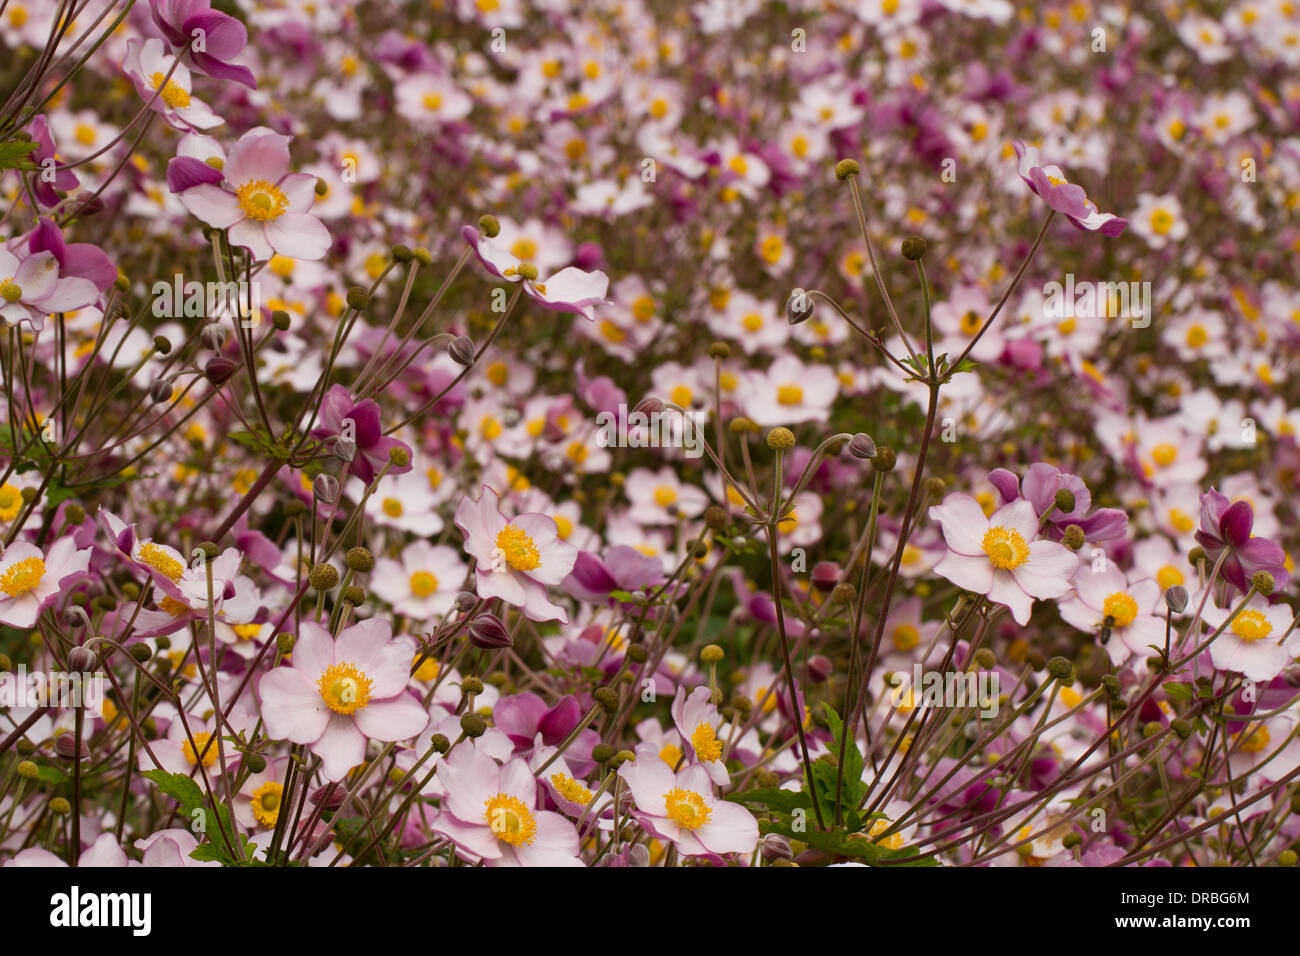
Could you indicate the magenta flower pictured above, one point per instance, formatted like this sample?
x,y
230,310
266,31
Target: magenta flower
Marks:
x,y
45,158
517,557
31,580
569,290
149,67
342,417
336,693
1050,185
491,814
1002,556
209,39
1040,485
82,260
267,211
1227,524
623,568
32,288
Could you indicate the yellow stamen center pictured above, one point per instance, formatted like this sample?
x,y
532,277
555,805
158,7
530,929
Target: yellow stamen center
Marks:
x,y
1251,626
261,200
706,743
510,820
789,394
266,803
1005,548
192,750
171,94
344,689
10,291
518,548
687,809
22,577
162,562
423,584
570,789
665,496
1122,608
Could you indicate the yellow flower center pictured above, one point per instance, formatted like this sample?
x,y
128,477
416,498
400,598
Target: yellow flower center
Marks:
x,y
344,689
518,548
11,502
665,496
392,507
261,200
192,750
1168,576
432,101
1005,548
789,394
162,562
1258,740
1197,336
524,249
682,395
893,842
706,743
1121,608
22,577
510,820
246,632
10,291
1251,626
906,637
970,323
687,809
266,803
570,789
771,248
423,584
752,322
171,94
1164,454
671,754
1161,221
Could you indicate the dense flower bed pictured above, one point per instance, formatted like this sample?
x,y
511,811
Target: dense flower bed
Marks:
x,y
514,432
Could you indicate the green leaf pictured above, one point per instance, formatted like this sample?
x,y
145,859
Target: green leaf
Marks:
x,y
1178,690
15,154
784,801
179,787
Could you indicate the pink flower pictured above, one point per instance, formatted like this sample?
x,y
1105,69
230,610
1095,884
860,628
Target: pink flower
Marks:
x,y
1251,645
1002,556
30,580
1107,596
267,210
210,38
1050,184
31,288
697,721
336,693
517,558
491,814
149,67
569,290
681,807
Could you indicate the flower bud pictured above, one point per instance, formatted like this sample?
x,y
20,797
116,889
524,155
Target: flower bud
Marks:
x,y
323,576
399,456
602,753
359,559
935,487
715,517
213,336
81,660
649,406
280,319
1062,669
489,226
720,351
358,298
527,271
162,345
712,654
884,459
1074,537
462,350
465,602
401,253
780,439
218,369
985,659
160,391
1262,582
487,632
776,847
472,725
913,248
66,747
607,697
844,593
1064,500
1176,599
819,668
825,575
846,168
344,449
799,307
861,446
325,489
